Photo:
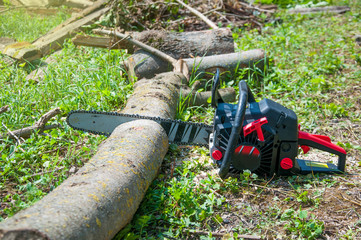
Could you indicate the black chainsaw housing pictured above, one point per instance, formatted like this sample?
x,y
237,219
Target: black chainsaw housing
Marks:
x,y
280,137
263,137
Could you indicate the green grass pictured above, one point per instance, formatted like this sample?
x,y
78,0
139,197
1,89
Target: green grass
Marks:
x,y
314,65
314,70
20,25
81,78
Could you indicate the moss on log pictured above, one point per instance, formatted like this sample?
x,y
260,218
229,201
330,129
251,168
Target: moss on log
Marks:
x,y
102,197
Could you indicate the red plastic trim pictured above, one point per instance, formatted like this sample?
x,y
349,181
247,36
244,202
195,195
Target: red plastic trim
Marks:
x,y
308,136
217,155
286,163
255,126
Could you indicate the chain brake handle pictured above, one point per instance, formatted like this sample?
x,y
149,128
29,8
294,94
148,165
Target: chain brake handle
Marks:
x,y
245,95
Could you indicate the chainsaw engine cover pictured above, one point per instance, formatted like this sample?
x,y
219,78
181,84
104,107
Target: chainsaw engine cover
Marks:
x,y
260,154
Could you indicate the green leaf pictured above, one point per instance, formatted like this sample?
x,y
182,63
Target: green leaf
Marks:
x,y
303,214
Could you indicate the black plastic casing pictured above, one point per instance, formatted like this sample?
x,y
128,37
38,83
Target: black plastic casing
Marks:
x,y
281,131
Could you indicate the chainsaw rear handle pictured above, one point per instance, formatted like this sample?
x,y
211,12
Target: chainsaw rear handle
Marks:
x,y
307,139
245,95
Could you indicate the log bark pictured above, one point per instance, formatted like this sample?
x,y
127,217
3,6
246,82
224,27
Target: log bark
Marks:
x,y
188,44
102,197
147,65
330,9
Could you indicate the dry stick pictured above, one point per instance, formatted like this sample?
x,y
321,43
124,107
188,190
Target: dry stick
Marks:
x,y
46,172
199,14
255,8
4,109
13,136
178,65
215,234
39,125
351,201
138,44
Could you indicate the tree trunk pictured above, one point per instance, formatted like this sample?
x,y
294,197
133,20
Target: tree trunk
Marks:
x,y
147,65
102,197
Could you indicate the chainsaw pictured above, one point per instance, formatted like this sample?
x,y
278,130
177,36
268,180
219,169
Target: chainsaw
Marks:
x,y
263,137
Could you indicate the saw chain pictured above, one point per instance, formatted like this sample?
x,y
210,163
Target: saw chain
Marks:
x,y
103,123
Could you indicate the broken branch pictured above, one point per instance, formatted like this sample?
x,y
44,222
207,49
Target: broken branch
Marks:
x,y
138,44
178,65
38,126
199,14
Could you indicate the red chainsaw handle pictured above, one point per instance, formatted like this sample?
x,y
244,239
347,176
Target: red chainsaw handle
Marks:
x,y
307,139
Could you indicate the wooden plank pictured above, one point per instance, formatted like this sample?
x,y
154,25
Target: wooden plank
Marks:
x,y
4,41
79,15
53,41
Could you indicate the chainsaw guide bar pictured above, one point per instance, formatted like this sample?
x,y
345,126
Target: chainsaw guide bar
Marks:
x,y
103,123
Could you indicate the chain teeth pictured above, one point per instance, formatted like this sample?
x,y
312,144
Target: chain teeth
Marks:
x,y
156,119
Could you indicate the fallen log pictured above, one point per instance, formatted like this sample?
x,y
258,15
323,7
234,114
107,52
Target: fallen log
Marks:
x,y
102,197
329,9
148,65
177,45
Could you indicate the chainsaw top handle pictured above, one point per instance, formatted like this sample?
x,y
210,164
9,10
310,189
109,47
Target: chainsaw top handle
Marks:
x,y
245,95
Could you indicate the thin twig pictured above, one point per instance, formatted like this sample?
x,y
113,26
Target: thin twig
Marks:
x,y
351,201
199,14
11,133
178,65
147,48
50,171
216,234
38,126
4,109
255,8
